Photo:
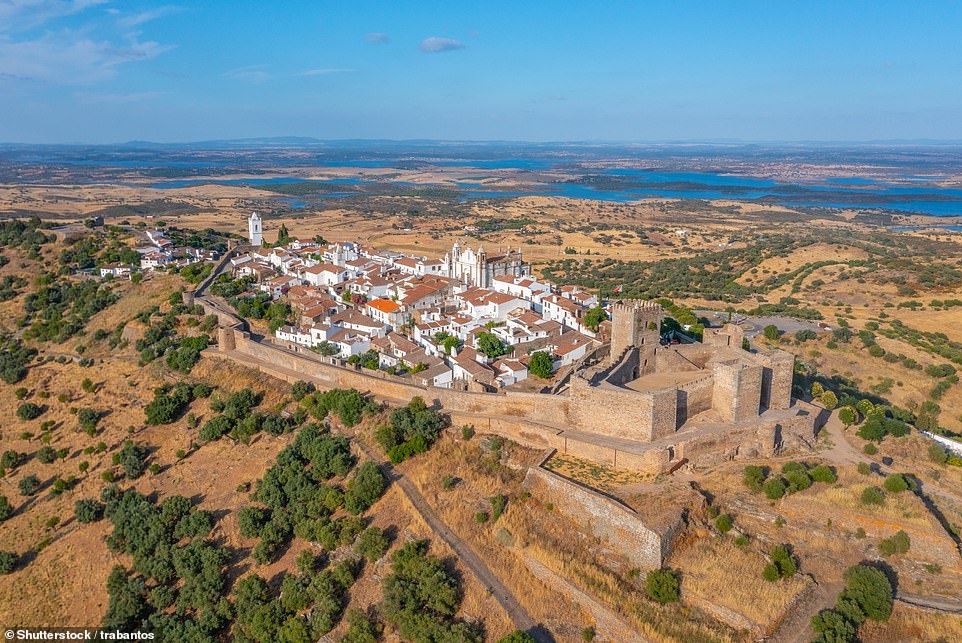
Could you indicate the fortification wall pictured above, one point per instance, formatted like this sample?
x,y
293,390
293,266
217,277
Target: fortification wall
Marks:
x,y
737,392
617,525
610,410
778,372
625,370
694,397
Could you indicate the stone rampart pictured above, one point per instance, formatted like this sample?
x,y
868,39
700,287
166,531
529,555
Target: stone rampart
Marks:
x,y
616,524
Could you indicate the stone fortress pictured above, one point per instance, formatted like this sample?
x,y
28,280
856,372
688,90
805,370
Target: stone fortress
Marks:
x,y
633,403
660,390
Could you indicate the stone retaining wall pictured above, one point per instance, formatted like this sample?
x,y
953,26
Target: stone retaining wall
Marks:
x,y
616,524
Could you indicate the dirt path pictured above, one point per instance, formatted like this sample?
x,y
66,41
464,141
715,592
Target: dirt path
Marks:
x,y
519,616
796,626
843,452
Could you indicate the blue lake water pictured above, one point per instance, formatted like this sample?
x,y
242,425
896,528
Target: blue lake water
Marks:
x,y
907,194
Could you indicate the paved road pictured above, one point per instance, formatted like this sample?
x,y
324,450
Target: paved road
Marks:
x,y
753,325
521,619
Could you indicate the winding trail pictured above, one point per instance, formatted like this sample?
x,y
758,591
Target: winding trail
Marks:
x,y
518,615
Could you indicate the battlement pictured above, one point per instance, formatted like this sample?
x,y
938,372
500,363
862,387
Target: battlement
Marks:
x,y
634,322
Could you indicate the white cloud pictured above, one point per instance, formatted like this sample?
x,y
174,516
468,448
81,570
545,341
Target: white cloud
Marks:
x,y
67,58
115,99
132,20
20,15
325,71
250,74
377,38
436,45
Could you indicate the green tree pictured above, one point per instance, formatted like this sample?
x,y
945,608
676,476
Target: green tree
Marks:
x,y
540,364
88,510
848,416
771,332
593,318
372,544
367,486
29,485
829,400
6,509
8,562
871,590
490,345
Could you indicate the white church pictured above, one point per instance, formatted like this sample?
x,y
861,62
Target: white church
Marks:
x,y
255,230
476,268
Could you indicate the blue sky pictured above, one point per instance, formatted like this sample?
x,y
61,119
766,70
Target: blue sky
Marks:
x,y
105,71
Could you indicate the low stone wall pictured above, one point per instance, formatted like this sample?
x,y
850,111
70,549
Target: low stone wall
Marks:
x,y
616,524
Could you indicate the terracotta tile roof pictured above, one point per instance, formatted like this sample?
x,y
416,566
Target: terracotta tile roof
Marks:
x,y
384,305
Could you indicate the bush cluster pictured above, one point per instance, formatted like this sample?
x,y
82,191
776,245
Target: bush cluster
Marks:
x,y
795,476
410,430
867,595
421,598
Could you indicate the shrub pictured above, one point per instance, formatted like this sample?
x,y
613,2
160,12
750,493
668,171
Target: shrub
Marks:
x,y
741,540
823,473
784,561
724,523
6,509
481,517
498,504
360,628
301,389
662,586
46,455
798,481
897,483
29,485
864,468
870,449
29,411
518,636
10,459
872,496
754,477
774,488
588,634
937,453
8,562
88,510
897,544
770,573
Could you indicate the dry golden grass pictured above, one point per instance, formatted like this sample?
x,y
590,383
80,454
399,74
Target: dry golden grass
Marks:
x,y
529,530
910,624
592,474
716,572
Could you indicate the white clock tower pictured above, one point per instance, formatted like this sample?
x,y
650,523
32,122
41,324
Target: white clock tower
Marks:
x,y
254,230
